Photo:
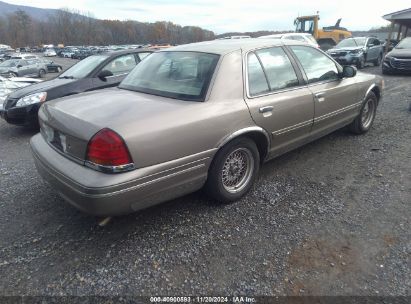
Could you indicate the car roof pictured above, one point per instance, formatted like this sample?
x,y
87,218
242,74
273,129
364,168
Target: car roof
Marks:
x,y
129,51
222,47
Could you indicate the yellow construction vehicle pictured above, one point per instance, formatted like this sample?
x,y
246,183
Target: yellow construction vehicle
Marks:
x,y
327,37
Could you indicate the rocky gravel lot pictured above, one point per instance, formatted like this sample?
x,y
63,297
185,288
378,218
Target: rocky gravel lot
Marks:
x,y
331,218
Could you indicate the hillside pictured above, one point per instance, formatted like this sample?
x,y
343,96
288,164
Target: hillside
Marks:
x,y
33,12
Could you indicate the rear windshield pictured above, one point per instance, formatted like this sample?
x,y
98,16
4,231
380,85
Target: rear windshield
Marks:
x,y
312,39
179,75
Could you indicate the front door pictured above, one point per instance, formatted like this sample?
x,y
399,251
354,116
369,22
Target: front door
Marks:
x,y
373,49
278,99
336,99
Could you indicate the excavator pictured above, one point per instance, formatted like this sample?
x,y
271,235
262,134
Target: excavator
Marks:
x,y
327,37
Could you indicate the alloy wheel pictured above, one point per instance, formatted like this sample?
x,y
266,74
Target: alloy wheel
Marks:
x,y
368,113
237,170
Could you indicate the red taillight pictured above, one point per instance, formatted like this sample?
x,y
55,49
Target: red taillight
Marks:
x,y
107,148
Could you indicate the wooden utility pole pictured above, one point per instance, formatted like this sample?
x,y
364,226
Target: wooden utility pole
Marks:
x,y
389,37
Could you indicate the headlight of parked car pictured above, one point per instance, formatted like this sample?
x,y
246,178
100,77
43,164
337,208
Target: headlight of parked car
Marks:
x,y
356,51
32,99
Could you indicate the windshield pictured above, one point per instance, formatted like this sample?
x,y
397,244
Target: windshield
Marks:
x,y
180,75
304,26
83,68
404,44
352,42
9,63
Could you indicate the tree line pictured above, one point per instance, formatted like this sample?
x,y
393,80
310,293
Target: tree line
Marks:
x,y
70,27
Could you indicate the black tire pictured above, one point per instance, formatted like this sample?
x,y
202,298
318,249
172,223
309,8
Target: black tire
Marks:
x,y
215,187
361,63
42,73
377,62
12,74
362,124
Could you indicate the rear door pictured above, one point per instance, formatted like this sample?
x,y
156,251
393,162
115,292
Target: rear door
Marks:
x,y
278,98
336,99
24,68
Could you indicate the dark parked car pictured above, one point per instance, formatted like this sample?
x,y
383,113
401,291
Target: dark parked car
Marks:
x,y
52,67
93,73
23,67
358,51
399,59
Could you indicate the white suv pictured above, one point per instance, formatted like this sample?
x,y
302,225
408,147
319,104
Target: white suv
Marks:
x,y
302,37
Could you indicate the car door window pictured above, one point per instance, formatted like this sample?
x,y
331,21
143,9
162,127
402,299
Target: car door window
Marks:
x,y
373,42
317,66
23,63
141,56
121,65
257,83
32,62
278,68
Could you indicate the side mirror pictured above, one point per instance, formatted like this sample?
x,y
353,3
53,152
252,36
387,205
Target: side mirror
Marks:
x,y
104,74
19,66
349,71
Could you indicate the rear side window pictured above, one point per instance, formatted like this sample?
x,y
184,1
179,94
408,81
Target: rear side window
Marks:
x,y
270,70
257,83
141,56
278,68
317,66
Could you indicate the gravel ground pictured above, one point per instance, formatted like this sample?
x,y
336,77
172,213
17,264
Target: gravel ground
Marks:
x,y
330,218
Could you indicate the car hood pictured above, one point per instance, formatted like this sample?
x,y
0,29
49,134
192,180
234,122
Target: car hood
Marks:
x,y
40,87
400,53
121,110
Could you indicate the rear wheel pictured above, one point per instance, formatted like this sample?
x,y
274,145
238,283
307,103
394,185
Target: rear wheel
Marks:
x,y
233,170
365,119
12,75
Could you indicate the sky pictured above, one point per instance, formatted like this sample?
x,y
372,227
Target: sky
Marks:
x,y
223,16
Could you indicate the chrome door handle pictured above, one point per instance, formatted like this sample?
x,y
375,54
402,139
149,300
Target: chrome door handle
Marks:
x,y
320,96
266,109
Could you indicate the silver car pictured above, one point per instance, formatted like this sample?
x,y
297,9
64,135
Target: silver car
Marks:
x,y
199,115
23,67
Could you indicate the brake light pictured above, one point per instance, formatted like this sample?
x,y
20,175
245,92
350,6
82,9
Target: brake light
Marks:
x,y
107,149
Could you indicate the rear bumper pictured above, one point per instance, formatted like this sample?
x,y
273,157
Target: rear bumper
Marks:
x,y
103,194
